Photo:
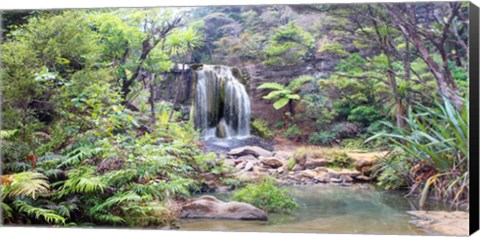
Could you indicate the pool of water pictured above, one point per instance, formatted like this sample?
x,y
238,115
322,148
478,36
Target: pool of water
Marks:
x,y
358,209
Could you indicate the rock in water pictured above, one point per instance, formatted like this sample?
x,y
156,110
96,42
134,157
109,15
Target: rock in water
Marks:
x,y
250,150
210,207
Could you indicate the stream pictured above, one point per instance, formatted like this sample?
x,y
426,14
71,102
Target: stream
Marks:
x,y
358,209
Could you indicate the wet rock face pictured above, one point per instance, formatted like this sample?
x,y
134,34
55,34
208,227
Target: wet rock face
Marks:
x,y
210,207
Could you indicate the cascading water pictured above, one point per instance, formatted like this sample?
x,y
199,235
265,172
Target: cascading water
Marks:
x,y
221,103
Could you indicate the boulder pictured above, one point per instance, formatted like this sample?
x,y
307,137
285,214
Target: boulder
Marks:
x,y
229,162
248,166
250,150
364,166
284,155
345,178
210,207
314,163
240,165
271,162
247,157
322,177
298,167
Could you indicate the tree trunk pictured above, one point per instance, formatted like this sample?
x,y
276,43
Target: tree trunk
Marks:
x,y
152,99
441,80
179,83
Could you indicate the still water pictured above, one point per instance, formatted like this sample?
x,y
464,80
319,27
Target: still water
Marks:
x,y
358,209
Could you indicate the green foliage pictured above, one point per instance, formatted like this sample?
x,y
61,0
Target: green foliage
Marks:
x,y
266,196
364,114
284,94
322,138
260,127
288,45
339,158
293,131
436,137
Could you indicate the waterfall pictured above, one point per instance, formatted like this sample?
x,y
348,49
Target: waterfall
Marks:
x,y
221,103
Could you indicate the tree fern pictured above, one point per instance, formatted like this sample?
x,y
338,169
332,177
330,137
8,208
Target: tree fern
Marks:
x,y
298,82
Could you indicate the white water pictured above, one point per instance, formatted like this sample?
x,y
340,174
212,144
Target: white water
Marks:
x,y
221,102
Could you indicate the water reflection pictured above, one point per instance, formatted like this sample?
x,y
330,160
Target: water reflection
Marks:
x,y
360,209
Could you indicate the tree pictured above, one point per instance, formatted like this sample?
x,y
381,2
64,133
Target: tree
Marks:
x,y
405,18
128,38
289,45
181,44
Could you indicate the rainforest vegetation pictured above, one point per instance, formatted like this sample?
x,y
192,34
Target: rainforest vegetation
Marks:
x,y
97,128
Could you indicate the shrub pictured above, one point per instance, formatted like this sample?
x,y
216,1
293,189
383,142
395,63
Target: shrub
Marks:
x,y
437,141
279,124
340,159
268,196
322,138
293,131
260,127
364,114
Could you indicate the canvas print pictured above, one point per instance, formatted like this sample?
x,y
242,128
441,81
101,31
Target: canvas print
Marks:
x,y
320,118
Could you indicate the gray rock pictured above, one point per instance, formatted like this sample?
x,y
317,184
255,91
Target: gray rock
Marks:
x,y
248,166
211,207
250,150
298,167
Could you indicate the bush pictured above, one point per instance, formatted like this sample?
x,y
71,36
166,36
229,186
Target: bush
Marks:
x,y
322,138
267,196
279,124
436,139
364,114
340,159
260,128
293,131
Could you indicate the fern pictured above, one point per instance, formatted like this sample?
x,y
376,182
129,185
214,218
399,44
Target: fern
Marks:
x,y
27,184
48,215
298,82
6,134
117,200
81,181
79,154
272,86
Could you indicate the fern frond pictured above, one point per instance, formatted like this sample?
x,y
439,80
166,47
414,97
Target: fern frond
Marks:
x,y
277,94
28,184
79,154
81,181
116,200
48,215
298,82
6,134
272,86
